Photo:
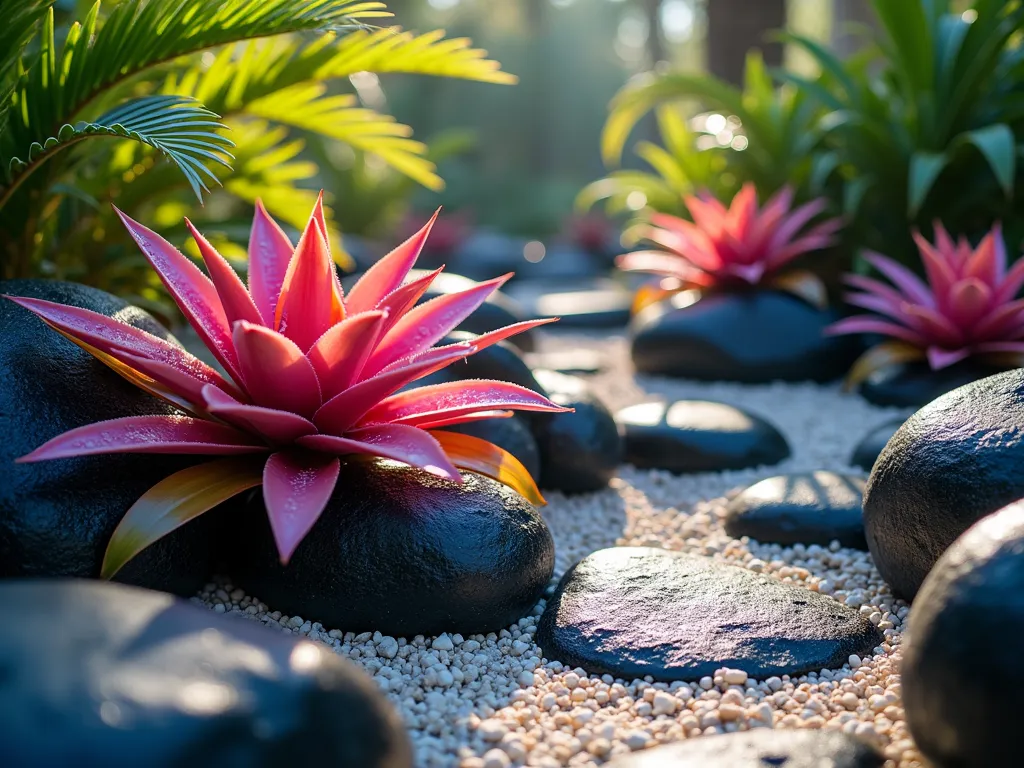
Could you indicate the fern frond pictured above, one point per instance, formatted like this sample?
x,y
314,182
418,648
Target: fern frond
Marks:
x,y
178,127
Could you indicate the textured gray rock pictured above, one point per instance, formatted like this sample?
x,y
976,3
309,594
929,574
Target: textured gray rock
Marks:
x,y
635,611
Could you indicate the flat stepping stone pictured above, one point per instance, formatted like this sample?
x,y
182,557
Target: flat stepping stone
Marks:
x,y
698,436
759,748
636,611
811,508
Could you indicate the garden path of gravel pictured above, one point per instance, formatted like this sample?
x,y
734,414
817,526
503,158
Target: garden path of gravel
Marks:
x,y
495,701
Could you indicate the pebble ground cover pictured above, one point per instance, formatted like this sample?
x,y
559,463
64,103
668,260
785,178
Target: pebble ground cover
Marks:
x,y
495,701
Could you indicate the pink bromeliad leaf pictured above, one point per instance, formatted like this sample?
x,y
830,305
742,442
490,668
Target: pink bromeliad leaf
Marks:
x,y
275,372
389,273
306,304
966,308
296,489
337,293
408,445
426,324
192,291
741,244
234,297
275,426
343,411
116,338
437,402
339,355
401,300
270,251
147,434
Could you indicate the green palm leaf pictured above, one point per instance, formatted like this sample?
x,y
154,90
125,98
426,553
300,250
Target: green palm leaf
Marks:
x,y
178,127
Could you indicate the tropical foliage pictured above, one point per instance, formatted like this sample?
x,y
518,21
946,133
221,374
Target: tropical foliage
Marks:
x,y
762,134
313,374
966,307
927,124
202,93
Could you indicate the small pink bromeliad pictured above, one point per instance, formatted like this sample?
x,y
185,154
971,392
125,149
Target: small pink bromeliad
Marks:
x,y
313,374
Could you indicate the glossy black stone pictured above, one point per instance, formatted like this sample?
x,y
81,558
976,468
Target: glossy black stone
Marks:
x,y
498,311
871,445
512,434
579,451
635,611
698,436
751,336
56,517
954,461
100,674
812,508
911,385
962,668
759,748
403,552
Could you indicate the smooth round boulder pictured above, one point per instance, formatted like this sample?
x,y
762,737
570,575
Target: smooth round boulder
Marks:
x,y
580,451
811,508
56,517
952,463
752,336
759,748
635,611
400,551
511,434
867,451
698,436
912,385
103,674
962,668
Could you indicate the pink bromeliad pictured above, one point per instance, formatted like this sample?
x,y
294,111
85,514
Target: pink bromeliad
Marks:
x,y
313,374
743,244
967,307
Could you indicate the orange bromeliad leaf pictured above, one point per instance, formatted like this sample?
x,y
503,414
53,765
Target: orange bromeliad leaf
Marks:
x,y
174,501
878,357
489,460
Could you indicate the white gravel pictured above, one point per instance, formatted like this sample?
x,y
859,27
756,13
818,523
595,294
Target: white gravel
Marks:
x,y
494,701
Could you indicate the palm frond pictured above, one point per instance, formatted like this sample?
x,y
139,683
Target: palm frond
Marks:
x,y
178,127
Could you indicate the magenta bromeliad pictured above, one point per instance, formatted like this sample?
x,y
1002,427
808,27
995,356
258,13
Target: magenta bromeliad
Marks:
x,y
313,374
967,307
743,244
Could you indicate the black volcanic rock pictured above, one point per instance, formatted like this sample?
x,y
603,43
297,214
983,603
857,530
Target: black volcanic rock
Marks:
x,y
953,462
750,336
812,508
102,674
698,436
402,552
56,517
962,666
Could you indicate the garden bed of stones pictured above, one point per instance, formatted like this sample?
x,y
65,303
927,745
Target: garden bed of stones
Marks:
x,y
498,700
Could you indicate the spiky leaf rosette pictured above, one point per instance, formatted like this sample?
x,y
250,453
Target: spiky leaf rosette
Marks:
x,y
967,308
743,244
312,375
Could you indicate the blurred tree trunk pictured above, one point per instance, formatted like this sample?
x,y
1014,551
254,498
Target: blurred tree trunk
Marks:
x,y
849,15
736,26
655,43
